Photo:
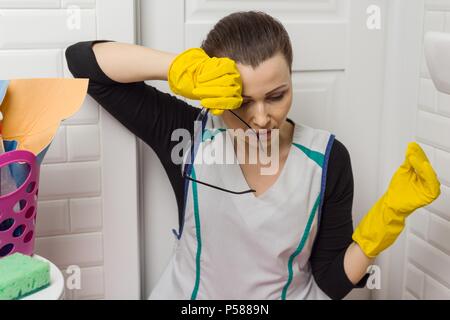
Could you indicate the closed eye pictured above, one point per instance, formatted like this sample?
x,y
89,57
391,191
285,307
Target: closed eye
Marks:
x,y
273,98
276,98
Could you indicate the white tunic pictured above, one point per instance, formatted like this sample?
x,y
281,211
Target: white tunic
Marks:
x,y
243,246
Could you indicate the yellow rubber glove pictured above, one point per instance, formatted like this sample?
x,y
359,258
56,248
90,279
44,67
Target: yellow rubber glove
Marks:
x,y
414,185
216,82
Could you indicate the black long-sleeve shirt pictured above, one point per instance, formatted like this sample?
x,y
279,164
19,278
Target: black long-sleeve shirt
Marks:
x,y
152,115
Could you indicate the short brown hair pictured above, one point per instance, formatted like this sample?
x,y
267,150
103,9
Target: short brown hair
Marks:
x,y
248,37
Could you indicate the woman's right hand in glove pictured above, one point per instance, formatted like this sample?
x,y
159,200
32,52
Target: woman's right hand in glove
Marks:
x,y
216,82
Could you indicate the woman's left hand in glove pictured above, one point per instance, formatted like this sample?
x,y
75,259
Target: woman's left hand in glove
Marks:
x,y
414,185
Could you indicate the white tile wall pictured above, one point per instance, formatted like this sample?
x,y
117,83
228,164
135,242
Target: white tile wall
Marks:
x,y
33,37
418,222
85,214
52,218
83,143
57,152
429,259
71,179
442,204
409,296
414,280
428,246
79,3
432,127
438,231
84,249
38,4
49,65
91,286
427,95
443,103
442,159
435,290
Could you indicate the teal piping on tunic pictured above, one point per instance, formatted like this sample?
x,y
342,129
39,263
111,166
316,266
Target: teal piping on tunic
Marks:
x,y
317,157
300,247
211,133
199,238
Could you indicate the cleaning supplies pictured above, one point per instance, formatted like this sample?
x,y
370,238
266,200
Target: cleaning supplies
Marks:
x,y
3,88
34,108
2,147
21,275
7,183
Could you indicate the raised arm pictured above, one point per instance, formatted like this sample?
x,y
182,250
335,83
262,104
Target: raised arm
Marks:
x,y
150,114
123,62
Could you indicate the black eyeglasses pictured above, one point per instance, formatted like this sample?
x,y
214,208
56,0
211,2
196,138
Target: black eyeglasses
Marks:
x,y
197,139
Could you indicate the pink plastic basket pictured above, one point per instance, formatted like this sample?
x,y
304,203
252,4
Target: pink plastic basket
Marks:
x,y
17,229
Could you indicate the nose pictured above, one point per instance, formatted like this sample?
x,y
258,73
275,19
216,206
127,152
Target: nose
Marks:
x,y
261,117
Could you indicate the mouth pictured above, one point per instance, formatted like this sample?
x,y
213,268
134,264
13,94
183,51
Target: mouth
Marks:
x,y
264,133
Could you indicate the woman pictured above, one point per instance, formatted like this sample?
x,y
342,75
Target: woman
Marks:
x,y
243,234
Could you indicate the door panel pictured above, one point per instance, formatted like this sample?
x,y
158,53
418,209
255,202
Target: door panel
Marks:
x,y
338,86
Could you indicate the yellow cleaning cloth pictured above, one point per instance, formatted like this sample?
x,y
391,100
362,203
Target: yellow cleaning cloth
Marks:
x,y
34,108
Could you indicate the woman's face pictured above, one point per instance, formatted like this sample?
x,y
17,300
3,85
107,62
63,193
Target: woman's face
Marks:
x,y
267,96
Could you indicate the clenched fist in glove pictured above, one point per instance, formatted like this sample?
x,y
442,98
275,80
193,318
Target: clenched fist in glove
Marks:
x,y
413,185
216,82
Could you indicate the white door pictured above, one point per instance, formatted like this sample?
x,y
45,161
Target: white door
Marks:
x,y
88,205
338,79
418,266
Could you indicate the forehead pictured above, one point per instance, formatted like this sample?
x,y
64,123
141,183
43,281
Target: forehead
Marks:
x,y
268,75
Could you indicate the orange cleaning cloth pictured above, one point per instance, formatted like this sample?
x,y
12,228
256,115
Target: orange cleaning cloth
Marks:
x,y
34,108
